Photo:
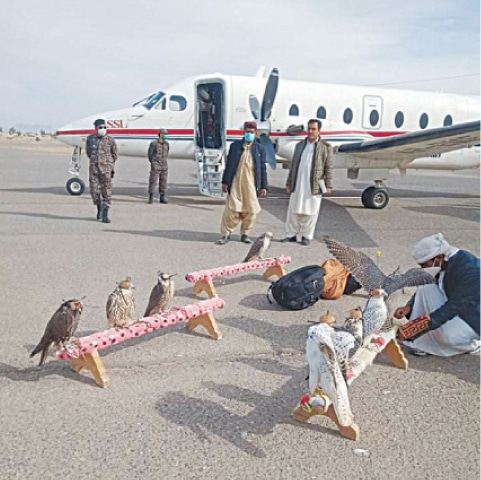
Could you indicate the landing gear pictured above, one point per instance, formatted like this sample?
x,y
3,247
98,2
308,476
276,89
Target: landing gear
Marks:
x,y
376,197
75,186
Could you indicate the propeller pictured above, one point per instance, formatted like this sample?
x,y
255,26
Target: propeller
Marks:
x,y
263,112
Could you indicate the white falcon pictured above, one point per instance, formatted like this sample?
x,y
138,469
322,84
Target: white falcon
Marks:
x,y
327,353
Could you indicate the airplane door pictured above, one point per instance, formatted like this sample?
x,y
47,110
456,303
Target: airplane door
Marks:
x,y
209,135
371,112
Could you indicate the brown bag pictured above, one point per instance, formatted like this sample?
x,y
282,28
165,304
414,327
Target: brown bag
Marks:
x,y
335,279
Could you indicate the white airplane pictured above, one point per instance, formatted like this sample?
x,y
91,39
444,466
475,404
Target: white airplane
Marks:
x,y
373,130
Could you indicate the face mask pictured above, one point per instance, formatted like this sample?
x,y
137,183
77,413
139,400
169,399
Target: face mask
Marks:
x,y
102,132
249,136
166,138
432,270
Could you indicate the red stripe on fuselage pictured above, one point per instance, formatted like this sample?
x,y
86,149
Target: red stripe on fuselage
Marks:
x,y
230,133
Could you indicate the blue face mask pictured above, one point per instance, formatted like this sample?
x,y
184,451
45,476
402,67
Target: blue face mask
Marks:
x,y
166,138
249,136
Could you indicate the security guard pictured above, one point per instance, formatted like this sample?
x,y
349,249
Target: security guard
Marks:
x,y
158,152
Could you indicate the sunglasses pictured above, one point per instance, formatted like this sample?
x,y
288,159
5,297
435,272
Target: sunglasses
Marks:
x,y
102,127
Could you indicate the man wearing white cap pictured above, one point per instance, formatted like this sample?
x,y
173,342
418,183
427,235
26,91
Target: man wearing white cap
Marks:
x,y
446,315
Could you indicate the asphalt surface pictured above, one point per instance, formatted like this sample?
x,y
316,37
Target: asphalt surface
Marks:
x,y
180,404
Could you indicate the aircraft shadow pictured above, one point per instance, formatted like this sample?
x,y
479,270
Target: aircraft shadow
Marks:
x,y
50,216
182,235
469,213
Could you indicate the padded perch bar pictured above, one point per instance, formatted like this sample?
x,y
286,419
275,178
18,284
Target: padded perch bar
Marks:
x,y
203,278
84,353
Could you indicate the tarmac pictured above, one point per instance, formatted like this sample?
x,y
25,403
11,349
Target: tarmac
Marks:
x,y
181,404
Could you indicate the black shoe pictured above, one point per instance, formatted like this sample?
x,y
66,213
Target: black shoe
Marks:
x,y
289,239
151,200
305,241
245,239
223,240
105,216
163,200
99,211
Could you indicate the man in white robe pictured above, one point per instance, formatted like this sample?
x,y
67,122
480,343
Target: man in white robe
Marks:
x,y
310,175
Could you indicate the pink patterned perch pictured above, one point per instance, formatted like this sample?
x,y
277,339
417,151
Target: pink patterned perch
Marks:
x,y
84,353
203,278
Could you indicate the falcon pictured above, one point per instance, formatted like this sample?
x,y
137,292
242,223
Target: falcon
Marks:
x,y
375,315
60,328
326,352
259,247
121,304
161,294
368,274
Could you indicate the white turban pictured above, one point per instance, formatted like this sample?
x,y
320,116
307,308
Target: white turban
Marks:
x,y
430,247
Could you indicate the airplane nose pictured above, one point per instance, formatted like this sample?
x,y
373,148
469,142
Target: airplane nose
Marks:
x,y
65,134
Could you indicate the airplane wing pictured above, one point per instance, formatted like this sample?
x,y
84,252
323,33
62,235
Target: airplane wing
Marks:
x,y
417,144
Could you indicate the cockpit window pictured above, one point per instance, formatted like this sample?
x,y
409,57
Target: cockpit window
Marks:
x,y
150,101
177,103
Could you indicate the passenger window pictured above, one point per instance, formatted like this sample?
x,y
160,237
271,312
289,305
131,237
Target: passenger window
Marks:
x,y
348,116
424,120
399,119
294,110
374,118
448,121
177,103
321,113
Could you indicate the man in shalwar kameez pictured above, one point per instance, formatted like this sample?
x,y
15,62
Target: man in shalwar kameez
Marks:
x,y
309,175
244,180
445,316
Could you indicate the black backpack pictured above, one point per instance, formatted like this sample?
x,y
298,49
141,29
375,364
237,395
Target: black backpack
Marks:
x,y
299,289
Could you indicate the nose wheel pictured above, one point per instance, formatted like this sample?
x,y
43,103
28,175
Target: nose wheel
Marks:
x,y
75,186
375,197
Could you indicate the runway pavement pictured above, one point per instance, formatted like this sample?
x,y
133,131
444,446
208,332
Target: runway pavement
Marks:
x,y
182,405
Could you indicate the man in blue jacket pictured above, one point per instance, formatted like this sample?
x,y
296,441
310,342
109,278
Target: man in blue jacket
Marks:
x,y
446,315
244,180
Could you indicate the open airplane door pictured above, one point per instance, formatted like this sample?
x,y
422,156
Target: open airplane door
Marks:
x,y
210,135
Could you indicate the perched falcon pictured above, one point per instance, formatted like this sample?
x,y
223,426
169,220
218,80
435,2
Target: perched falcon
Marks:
x,y
375,315
60,327
259,247
365,271
121,305
327,351
161,294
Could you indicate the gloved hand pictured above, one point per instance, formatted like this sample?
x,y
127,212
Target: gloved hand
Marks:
x,y
415,328
112,175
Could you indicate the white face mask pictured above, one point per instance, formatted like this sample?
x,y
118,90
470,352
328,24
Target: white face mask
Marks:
x,y
102,132
433,270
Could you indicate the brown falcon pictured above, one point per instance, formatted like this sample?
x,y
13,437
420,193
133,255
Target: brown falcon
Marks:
x,y
60,327
121,304
161,294
259,247
366,272
376,283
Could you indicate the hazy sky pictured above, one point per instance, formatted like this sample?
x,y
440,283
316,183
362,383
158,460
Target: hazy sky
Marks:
x,y
61,60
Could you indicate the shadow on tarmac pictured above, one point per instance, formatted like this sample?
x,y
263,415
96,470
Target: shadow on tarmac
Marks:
x,y
205,417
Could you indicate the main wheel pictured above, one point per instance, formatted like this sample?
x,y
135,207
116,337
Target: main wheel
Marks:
x,y
376,198
75,186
